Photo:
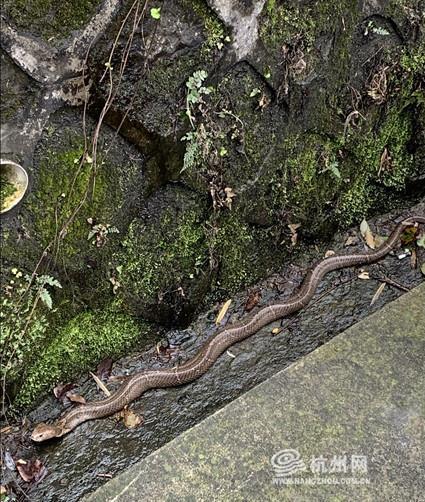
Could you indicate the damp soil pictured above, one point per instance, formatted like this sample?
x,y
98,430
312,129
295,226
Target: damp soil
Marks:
x,y
96,451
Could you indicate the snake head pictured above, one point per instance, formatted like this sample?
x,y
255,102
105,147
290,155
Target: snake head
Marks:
x,y
43,432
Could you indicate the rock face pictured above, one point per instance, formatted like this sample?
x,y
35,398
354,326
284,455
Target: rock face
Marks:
x,y
230,132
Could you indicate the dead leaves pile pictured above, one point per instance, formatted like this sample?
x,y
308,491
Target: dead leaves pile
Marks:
x,y
410,238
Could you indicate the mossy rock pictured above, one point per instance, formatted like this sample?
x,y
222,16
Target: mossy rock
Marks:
x,y
71,196
163,263
17,89
56,233
187,37
48,18
77,347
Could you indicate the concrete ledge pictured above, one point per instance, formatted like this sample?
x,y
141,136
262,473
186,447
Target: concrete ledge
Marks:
x,y
356,404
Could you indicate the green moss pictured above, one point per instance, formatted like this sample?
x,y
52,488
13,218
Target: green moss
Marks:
x,y
50,18
233,245
61,187
393,137
354,203
214,28
77,347
148,253
164,254
6,190
282,22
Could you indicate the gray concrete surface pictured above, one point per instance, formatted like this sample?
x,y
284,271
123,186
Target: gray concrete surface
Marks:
x,y
352,413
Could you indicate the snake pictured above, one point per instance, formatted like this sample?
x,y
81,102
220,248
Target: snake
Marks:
x,y
199,364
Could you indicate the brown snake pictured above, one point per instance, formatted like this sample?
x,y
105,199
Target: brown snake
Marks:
x,y
137,384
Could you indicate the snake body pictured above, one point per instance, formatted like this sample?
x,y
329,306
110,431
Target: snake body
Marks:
x,y
137,384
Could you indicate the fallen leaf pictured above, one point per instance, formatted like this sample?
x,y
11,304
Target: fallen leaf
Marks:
x,y
414,259
104,368
8,461
252,301
101,385
329,253
3,491
367,234
130,418
6,429
276,331
379,240
385,162
61,390
264,101
421,241
293,227
75,398
32,470
364,275
377,293
351,240
223,312
229,196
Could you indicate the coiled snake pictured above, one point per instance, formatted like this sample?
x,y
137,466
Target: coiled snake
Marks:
x,y
137,384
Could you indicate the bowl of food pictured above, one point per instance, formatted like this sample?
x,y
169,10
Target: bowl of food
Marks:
x,y
13,184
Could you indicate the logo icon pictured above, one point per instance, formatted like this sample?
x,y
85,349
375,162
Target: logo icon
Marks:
x,y
287,462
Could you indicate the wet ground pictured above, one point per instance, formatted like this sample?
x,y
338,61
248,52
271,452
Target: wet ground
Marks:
x,y
96,451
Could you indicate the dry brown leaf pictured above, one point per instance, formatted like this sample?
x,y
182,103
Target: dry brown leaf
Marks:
x,y
101,385
293,227
229,196
351,240
378,293
130,418
364,275
252,300
223,312
31,470
413,259
61,389
329,253
379,240
104,368
367,234
264,101
75,398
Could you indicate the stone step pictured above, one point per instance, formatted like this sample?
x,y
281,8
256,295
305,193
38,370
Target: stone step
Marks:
x,y
346,422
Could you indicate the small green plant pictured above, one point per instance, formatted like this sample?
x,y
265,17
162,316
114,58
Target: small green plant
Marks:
x,y
332,167
377,30
156,12
23,318
195,92
99,232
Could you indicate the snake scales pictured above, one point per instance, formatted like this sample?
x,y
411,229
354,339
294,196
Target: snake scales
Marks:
x,y
137,384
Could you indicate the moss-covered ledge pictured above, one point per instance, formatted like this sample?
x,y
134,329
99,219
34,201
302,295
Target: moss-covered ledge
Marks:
x,y
50,19
77,347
